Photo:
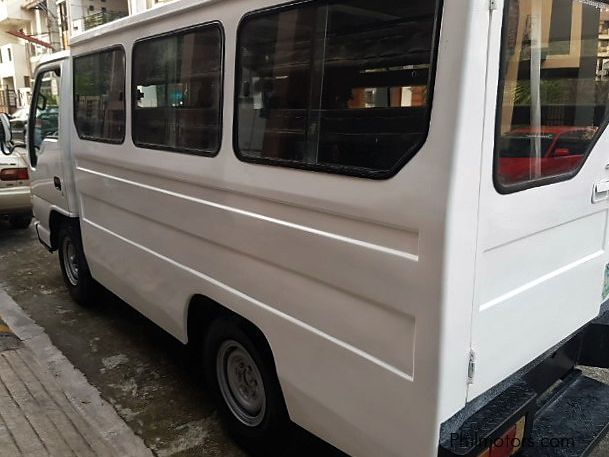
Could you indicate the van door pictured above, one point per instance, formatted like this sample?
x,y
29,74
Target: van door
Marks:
x,y
44,147
541,255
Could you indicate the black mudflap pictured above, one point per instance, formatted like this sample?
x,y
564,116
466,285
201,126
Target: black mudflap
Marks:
x,y
595,348
572,423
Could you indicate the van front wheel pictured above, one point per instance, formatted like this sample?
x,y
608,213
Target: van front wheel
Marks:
x,y
241,372
74,268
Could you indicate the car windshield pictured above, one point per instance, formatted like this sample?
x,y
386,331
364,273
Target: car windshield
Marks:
x,y
523,146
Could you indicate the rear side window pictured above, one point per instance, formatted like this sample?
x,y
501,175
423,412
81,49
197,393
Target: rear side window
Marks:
x,y
177,81
341,86
99,96
554,87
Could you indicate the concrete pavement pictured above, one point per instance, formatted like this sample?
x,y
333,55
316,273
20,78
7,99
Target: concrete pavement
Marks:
x,y
49,415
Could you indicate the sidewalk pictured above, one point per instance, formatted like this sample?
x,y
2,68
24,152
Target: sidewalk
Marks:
x,y
47,408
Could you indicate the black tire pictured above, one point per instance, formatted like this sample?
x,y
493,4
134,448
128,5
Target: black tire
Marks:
x,y
268,437
77,277
20,221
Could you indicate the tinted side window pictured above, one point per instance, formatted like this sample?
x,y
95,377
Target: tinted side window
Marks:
x,y
343,86
177,82
554,87
99,96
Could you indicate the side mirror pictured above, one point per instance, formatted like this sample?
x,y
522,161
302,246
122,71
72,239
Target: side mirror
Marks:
x,y
562,152
6,145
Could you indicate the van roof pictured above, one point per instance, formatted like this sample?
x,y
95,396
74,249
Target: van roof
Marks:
x,y
162,11
55,56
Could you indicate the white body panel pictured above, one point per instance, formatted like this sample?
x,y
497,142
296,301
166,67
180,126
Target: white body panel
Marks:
x,y
370,293
341,274
541,256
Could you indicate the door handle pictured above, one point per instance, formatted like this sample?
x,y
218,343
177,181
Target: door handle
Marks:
x,y
57,182
601,191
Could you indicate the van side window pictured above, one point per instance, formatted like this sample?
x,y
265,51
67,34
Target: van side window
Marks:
x,y
553,91
340,86
99,96
177,91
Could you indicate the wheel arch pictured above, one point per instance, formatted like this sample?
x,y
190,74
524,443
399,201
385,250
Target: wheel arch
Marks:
x,y
56,221
203,310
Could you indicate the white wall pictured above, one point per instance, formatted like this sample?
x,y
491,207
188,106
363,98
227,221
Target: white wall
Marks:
x,y
16,67
136,6
11,12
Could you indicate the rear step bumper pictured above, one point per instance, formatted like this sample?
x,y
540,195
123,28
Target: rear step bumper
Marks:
x,y
572,423
568,422
567,413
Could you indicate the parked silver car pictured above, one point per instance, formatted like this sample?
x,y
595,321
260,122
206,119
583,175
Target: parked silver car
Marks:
x,y
15,196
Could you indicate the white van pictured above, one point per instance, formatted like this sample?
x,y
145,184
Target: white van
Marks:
x,y
383,220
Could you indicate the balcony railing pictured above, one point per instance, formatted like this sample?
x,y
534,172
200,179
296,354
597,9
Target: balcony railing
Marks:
x,y
103,17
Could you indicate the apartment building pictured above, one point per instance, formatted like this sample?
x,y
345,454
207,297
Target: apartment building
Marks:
x,y
15,71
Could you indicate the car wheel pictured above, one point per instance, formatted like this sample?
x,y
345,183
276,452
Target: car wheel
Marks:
x,y
20,222
76,275
240,370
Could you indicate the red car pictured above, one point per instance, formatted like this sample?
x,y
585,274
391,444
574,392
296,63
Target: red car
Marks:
x,y
562,149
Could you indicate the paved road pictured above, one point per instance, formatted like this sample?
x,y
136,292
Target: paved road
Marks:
x,y
142,371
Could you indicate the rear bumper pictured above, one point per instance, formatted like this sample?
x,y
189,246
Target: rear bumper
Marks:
x,y
15,200
566,412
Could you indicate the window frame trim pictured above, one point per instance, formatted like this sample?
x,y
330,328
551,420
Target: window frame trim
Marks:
x,y
181,31
341,170
113,47
504,189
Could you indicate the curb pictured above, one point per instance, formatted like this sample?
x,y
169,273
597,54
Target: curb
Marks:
x,y
21,330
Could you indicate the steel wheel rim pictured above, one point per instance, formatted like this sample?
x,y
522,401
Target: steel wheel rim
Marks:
x,y
70,260
241,383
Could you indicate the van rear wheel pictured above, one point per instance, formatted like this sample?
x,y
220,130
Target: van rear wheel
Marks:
x,y
74,268
240,371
